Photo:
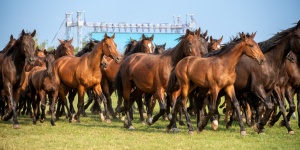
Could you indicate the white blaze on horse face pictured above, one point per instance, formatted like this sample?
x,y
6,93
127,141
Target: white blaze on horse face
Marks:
x,y
150,47
218,46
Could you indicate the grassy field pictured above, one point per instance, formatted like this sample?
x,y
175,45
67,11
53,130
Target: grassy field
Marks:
x,y
91,133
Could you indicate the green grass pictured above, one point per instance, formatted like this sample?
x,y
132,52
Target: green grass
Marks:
x,y
91,133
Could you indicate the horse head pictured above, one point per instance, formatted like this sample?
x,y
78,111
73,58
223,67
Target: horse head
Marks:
x,y
214,44
65,48
251,48
146,44
191,44
109,47
27,45
159,48
295,39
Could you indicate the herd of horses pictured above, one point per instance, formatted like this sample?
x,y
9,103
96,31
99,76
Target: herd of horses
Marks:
x,y
255,79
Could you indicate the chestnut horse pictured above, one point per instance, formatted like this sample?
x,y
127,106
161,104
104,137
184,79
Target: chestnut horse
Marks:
x,y
213,77
144,45
150,73
12,67
84,72
214,44
40,83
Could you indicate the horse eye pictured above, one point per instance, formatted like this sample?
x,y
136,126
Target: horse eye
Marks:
x,y
250,45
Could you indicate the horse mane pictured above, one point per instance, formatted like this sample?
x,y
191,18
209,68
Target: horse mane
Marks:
x,y
225,47
269,44
137,47
127,46
86,48
18,41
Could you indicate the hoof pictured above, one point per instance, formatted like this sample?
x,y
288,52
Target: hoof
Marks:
x,y
255,128
214,125
181,123
42,120
281,123
191,132
170,117
270,125
102,117
243,133
108,121
291,132
149,121
16,126
131,128
228,126
168,130
123,118
175,130
52,123
143,122
126,124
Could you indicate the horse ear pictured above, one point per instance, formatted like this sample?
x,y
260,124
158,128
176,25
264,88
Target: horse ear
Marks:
x,y
298,24
143,36
220,40
71,40
152,37
60,41
105,35
11,37
253,35
33,33
205,34
211,39
23,32
165,45
37,48
187,32
206,39
113,36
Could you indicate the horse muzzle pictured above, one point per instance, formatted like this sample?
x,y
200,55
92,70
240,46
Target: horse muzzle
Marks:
x,y
31,60
117,59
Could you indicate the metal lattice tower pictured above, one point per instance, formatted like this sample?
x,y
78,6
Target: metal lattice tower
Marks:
x,y
176,27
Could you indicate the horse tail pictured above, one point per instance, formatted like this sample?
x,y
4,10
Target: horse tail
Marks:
x,y
173,84
119,90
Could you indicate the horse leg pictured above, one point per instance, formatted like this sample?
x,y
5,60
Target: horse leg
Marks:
x,y
62,96
42,95
231,93
298,106
90,99
100,97
52,107
282,109
71,96
289,95
162,107
81,92
140,107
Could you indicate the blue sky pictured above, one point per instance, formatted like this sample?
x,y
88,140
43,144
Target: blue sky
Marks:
x,y
219,17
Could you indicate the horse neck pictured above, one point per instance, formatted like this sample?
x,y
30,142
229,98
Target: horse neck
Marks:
x,y
231,56
96,55
177,54
276,56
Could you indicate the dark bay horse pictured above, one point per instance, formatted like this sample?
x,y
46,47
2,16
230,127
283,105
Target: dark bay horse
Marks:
x,y
10,43
84,72
65,48
40,83
261,80
150,73
159,48
213,77
15,58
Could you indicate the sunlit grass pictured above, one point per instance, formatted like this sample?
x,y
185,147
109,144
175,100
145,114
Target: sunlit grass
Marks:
x,y
91,133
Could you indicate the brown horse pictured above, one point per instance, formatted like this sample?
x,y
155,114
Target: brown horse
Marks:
x,y
11,42
213,77
144,45
150,73
84,72
214,44
65,48
20,53
159,48
40,83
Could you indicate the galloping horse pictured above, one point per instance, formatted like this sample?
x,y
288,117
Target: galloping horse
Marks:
x,y
84,72
40,83
213,77
15,58
150,73
261,80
